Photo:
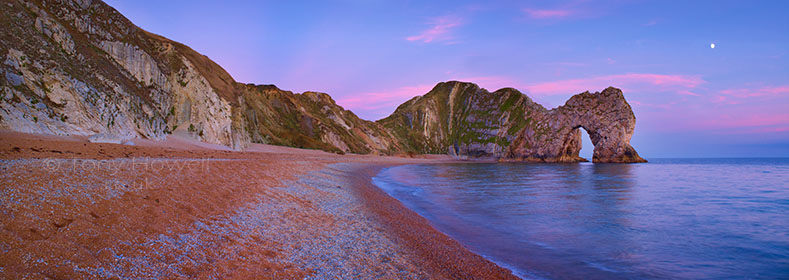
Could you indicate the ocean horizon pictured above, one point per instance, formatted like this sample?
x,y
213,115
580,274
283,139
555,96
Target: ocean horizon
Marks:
x,y
394,139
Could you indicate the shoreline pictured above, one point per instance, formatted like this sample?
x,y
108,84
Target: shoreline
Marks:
x,y
443,255
271,212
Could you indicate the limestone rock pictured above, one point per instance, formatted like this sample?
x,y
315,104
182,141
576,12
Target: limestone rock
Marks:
x,y
106,138
554,135
310,120
461,119
464,120
81,68
78,67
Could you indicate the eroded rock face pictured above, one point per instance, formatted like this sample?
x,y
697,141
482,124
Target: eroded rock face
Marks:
x,y
310,120
461,119
554,135
464,120
81,68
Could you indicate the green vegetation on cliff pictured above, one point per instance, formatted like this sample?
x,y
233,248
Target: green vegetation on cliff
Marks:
x,y
80,67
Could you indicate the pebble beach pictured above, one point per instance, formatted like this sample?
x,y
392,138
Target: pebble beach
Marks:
x,y
187,210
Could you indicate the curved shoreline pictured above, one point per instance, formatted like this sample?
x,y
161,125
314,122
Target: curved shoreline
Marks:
x,y
175,209
443,256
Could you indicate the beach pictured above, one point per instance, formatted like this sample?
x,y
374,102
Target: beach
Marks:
x,y
183,209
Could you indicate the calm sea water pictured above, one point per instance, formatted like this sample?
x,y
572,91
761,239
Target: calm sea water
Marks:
x,y
670,218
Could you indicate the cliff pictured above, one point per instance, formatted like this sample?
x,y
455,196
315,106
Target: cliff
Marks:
x,y
463,119
81,68
309,120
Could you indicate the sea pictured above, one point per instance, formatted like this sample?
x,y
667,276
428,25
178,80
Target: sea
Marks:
x,y
666,219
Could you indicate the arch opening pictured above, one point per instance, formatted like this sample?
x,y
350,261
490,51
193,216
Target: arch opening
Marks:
x,y
578,146
587,148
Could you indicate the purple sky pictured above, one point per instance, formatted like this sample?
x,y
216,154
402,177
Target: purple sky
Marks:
x,y
691,100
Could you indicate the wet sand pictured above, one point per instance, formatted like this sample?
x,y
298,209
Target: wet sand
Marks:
x,y
180,209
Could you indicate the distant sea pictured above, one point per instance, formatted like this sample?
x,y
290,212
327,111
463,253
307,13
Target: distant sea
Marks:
x,y
666,219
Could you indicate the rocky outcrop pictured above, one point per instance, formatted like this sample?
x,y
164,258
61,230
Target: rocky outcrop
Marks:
x,y
106,138
461,119
555,136
464,120
310,120
81,68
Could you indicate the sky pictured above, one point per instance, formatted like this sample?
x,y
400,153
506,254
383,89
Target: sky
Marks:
x,y
690,99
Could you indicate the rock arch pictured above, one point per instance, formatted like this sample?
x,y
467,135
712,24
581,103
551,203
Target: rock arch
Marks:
x,y
554,135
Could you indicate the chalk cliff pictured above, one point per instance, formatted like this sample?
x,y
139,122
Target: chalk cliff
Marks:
x,y
80,68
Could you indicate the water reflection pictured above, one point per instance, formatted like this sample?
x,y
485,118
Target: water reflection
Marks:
x,y
498,204
606,221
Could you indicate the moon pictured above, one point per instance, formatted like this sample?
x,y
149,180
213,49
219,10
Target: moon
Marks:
x,y
712,46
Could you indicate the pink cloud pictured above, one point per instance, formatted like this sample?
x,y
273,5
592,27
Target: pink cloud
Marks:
x,y
662,106
722,99
389,98
688,92
671,113
759,92
379,102
548,14
750,113
441,30
740,95
784,128
738,111
631,81
745,120
382,100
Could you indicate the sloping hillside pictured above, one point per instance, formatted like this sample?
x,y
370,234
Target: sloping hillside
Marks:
x,y
80,68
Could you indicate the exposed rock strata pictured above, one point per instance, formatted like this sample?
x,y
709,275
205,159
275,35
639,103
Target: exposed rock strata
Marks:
x,y
462,119
555,136
81,68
